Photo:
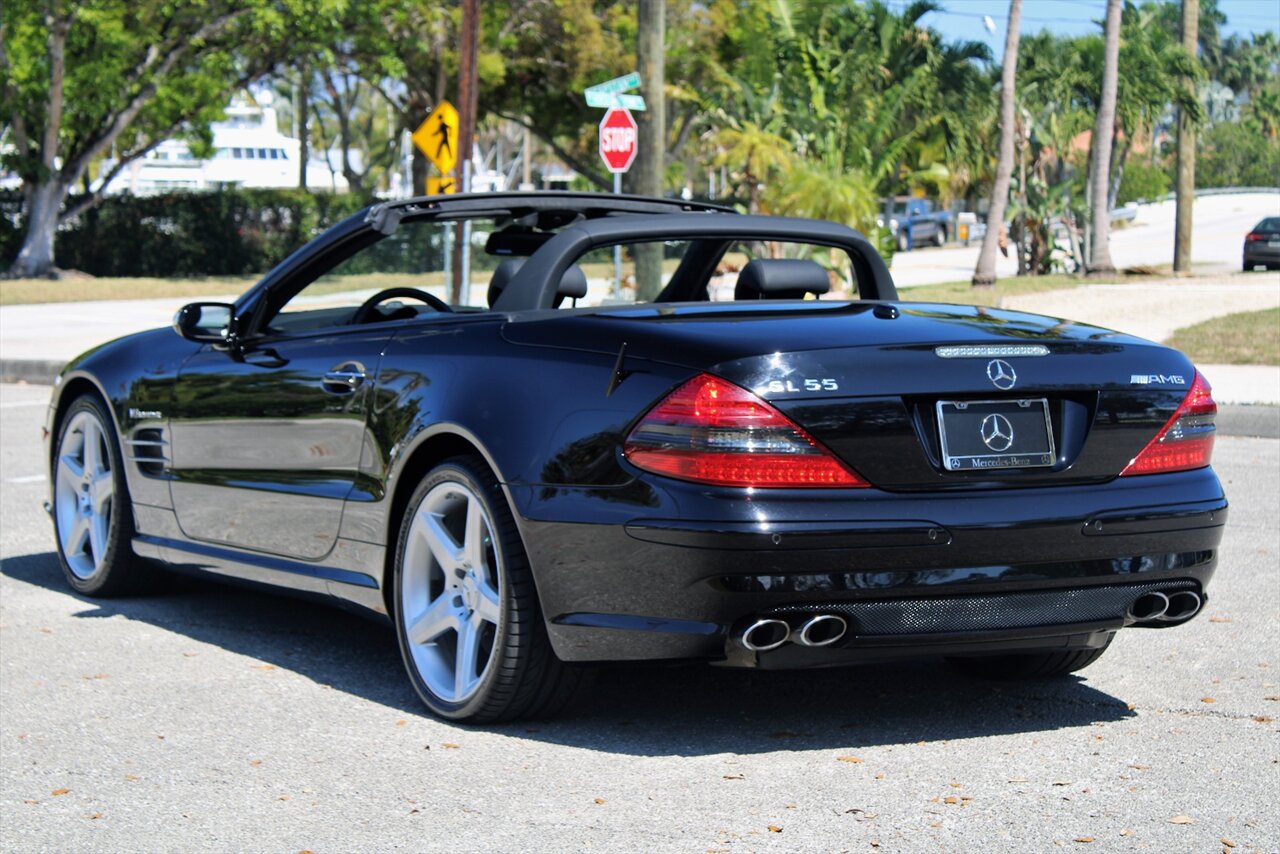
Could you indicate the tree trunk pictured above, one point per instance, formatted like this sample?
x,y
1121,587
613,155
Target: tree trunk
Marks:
x,y
651,158
1101,264
1117,172
35,258
1186,178
984,275
304,121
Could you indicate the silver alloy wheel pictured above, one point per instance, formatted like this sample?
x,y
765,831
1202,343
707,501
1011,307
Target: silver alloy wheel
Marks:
x,y
83,494
451,591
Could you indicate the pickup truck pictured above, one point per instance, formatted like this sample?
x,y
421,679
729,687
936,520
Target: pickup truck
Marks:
x,y
914,221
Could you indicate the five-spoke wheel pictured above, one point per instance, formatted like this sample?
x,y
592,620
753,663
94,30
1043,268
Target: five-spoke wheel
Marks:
x,y
467,616
451,592
83,494
91,513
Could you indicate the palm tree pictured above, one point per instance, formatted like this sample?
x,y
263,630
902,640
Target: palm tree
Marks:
x,y
1100,264
984,275
757,153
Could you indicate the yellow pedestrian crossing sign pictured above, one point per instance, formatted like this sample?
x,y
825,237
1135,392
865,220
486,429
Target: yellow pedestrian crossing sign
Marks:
x,y
437,137
442,186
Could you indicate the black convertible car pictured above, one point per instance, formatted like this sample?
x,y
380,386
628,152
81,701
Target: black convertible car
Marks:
x,y
745,469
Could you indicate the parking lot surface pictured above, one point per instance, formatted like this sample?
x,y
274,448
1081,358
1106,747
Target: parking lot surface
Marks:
x,y
208,717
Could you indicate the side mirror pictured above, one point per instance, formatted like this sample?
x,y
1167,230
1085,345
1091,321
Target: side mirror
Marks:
x,y
207,322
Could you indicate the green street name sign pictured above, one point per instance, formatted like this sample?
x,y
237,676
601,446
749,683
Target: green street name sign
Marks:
x,y
610,87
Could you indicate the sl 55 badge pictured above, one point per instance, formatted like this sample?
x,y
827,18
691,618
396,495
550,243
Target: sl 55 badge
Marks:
x,y
792,386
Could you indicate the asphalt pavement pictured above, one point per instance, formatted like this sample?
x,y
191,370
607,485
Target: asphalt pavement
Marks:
x,y
207,717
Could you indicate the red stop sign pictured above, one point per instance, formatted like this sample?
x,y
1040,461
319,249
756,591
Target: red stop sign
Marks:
x,y
618,139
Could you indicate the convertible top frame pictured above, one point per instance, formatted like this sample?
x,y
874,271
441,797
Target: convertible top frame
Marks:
x,y
534,287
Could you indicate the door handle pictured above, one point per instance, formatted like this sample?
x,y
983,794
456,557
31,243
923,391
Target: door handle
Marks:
x,y
343,381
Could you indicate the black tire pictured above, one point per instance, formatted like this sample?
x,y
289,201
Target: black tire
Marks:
x,y
903,242
1029,665
107,567
940,239
522,678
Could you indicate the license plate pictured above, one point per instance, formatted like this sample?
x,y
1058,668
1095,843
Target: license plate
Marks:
x,y
995,434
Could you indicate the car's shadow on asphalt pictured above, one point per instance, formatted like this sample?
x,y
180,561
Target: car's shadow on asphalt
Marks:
x,y
629,709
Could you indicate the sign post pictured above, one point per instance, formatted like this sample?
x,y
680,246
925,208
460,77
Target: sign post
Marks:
x,y
619,143
619,139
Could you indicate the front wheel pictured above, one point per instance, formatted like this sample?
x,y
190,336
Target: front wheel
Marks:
x,y
1029,665
466,611
92,518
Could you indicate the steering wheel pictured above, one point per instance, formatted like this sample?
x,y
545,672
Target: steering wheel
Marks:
x,y
365,312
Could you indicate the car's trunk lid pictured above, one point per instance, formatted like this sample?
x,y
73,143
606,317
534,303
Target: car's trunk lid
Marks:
x,y
881,384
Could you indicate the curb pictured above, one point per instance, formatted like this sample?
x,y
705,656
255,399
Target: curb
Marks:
x,y
1260,421
34,371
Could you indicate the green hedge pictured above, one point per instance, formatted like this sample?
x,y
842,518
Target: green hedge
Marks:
x,y
220,233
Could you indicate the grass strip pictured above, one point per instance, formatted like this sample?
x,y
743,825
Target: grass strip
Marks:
x,y
1247,338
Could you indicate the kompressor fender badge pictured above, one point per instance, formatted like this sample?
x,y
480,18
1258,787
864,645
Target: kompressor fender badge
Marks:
x,y
145,414
1001,374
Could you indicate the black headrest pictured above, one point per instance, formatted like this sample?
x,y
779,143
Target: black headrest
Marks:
x,y
502,275
781,278
573,283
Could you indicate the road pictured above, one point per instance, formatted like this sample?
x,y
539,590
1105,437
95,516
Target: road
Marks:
x,y
1220,225
213,718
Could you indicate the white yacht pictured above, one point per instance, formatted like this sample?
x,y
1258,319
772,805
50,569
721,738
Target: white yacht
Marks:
x,y
249,151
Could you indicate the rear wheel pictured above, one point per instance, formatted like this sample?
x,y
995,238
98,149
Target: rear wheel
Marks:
x,y
466,611
1030,665
92,519
940,238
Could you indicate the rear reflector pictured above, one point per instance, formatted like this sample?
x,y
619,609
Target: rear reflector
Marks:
x,y
1186,440
711,431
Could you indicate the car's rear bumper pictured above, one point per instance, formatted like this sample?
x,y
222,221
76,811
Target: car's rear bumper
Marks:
x,y
1259,252
678,585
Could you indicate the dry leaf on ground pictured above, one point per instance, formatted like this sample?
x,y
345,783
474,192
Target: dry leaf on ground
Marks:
x,y
1182,819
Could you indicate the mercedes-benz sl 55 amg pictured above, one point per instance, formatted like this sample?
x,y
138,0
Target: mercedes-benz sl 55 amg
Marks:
x,y
773,461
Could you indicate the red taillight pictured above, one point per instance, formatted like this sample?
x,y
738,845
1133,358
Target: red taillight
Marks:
x,y
1186,441
711,431
1253,235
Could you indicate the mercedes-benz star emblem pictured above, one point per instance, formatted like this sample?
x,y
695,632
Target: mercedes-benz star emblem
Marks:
x,y
1001,374
997,432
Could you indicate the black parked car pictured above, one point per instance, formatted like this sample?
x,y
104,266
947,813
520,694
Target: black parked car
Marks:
x,y
769,480
1262,245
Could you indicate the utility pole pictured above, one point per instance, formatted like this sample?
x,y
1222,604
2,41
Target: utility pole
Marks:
x,y
1186,179
467,108
651,160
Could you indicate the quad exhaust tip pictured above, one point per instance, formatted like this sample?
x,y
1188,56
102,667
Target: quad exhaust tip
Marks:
x,y
822,630
1156,607
764,635
1183,605
768,633
1149,606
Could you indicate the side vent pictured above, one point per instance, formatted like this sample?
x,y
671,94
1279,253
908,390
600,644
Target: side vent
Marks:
x,y
149,451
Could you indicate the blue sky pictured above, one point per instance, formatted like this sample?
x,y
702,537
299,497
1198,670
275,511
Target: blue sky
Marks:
x,y
962,19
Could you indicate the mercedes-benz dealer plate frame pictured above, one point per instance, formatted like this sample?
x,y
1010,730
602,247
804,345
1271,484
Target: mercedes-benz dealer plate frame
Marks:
x,y
996,423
